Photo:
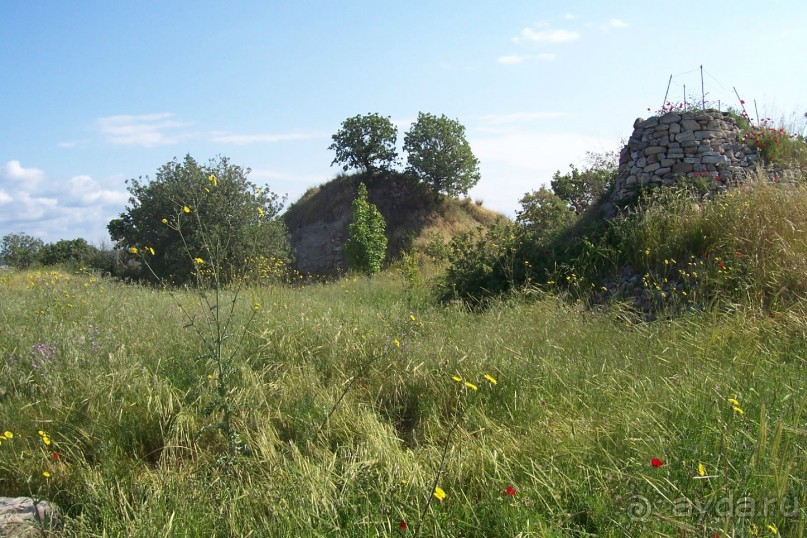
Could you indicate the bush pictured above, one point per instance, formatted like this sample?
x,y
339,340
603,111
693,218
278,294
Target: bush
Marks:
x,y
192,211
367,244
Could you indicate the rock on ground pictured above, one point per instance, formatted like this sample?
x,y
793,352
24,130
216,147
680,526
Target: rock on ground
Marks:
x,y
21,517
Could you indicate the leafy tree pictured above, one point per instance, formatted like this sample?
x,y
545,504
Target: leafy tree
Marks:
x,y
543,214
67,251
580,189
366,142
439,154
193,212
20,250
367,243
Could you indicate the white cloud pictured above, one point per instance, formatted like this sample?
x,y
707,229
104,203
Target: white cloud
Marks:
x,y
71,143
546,36
57,209
147,130
512,59
515,59
517,161
569,16
83,191
263,138
14,171
617,23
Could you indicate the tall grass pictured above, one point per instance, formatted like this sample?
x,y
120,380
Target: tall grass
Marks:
x,y
583,402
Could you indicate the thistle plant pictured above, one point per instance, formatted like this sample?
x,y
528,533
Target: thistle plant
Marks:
x,y
219,295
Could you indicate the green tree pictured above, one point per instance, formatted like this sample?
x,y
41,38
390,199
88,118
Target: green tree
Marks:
x,y
20,250
581,188
74,252
365,142
543,214
439,154
367,243
192,212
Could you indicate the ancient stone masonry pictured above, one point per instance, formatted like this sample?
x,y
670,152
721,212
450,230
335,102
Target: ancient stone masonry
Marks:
x,y
663,149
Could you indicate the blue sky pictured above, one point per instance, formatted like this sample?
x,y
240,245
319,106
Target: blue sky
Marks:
x,y
93,93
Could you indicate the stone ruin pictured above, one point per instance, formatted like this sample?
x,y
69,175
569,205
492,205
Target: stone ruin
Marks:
x,y
663,149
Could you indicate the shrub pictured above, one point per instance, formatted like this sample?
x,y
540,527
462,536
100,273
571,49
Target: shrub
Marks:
x,y
367,243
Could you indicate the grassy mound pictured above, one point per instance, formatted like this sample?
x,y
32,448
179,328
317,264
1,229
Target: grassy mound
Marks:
x,y
317,222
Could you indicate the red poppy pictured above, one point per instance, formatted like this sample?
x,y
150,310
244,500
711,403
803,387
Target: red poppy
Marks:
x,y
655,462
742,102
402,525
510,491
55,456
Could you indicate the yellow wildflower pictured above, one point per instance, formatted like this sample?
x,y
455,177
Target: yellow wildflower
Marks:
x,y
491,379
212,179
186,209
133,250
439,493
41,433
701,469
773,529
46,440
260,212
46,474
471,385
151,250
734,402
738,410
396,342
8,435
165,221
200,261
412,317
256,307
457,378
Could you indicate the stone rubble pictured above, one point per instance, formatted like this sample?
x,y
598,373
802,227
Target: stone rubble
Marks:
x,y
663,149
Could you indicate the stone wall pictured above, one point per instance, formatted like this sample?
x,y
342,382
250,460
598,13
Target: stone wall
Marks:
x,y
663,149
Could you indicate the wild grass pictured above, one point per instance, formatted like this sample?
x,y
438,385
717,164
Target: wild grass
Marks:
x,y
582,403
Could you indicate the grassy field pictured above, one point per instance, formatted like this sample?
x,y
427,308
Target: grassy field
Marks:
x,y
346,414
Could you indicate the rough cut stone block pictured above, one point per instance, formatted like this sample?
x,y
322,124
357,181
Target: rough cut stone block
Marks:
x,y
652,150
682,168
652,168
650,122
685,136
690,125
670,117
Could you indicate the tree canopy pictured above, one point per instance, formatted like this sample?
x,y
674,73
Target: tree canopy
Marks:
x,y
365,142
20,250
543,214
440,155
192,212
581,188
